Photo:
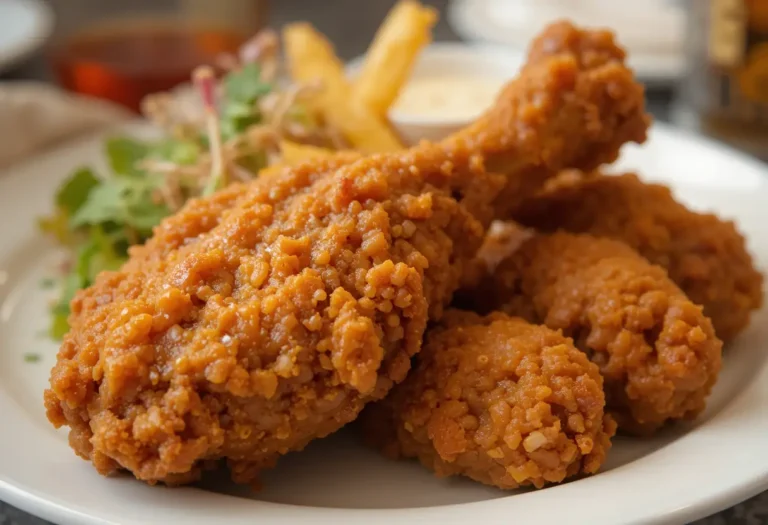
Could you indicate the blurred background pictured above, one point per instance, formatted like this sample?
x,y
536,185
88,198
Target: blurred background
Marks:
x,y
349,24
685,51
684,83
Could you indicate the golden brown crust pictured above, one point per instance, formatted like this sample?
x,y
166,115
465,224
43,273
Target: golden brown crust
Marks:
x,y
499,400
657,351
705,255
268,314
575,84
270,329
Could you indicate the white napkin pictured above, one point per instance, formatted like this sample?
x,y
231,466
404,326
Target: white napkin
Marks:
x,y
34,116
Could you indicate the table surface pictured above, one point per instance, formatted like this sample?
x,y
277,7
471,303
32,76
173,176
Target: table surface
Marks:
x,y
350,28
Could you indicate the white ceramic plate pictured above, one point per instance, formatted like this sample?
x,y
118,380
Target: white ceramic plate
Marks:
x,y
24,27
689,472
652,30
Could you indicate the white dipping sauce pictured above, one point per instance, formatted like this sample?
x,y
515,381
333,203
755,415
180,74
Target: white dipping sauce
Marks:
x,y
448,97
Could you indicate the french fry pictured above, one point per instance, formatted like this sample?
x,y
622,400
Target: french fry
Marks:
x,y
391,56
293,153
311,57
271,170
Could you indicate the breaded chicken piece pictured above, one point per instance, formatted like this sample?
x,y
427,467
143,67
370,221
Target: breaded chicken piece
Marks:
x,y
705,255
613,115
271,329
499,400
269,314
656,350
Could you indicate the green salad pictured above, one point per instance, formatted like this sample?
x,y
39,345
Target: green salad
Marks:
x,y
98,216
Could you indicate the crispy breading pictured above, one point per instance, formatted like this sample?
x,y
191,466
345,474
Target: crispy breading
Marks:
x,y
656,350
499,400
706,256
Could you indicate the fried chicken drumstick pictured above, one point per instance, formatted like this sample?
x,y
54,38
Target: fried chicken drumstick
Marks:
x,y
656,350
499,400
705,255
269,314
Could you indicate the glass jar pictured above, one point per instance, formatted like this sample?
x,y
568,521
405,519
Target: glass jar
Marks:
x,y
725,90
123,50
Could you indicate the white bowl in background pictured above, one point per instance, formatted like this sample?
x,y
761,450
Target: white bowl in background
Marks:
x,y
445,59
25,25
652,31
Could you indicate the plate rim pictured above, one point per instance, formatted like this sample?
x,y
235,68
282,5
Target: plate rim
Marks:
x,y
34,502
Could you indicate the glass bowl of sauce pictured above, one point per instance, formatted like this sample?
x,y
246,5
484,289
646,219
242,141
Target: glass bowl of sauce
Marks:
x,y
123,61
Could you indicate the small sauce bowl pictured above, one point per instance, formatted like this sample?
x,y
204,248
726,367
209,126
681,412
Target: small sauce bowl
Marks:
x,y
450,86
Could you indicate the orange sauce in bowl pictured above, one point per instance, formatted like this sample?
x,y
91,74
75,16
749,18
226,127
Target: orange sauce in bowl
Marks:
x,y
125,62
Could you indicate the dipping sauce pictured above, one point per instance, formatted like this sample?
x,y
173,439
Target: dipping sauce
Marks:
x,y
124,63
447,97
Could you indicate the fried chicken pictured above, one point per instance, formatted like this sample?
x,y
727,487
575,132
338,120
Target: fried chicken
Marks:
x,y
705,255
269,314
499,400
656,350
605,112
